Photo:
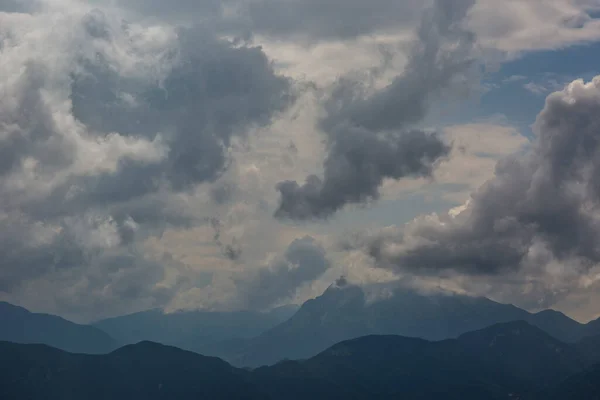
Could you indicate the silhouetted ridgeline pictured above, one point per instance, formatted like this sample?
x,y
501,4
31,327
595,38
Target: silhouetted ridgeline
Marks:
x,y
21,326
505,361
253,339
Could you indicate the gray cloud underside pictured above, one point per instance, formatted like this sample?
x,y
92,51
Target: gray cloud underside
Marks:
x,y
538,208
94,150
368,135
213,92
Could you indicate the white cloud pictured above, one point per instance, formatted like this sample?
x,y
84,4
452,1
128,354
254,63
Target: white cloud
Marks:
x,y
515,26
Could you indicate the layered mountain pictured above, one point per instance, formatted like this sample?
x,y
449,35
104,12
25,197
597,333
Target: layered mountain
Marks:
x,y
192,330
21,326
507,361
589,347
253,339
144,371
346,311
487,364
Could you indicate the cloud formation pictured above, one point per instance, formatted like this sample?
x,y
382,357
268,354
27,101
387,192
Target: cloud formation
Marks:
x,y
369,137
127,127
106,127
510,27
537,219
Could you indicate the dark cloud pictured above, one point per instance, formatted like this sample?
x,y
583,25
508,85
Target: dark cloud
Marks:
x,y
539,208
368,134
103,136
355,169
304,261
210,90
213,91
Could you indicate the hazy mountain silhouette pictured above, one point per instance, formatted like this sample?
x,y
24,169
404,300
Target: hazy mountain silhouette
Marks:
x,y
486,364
252,339
192,330
144,371
506,361
21,326
344,312
518,353
558,325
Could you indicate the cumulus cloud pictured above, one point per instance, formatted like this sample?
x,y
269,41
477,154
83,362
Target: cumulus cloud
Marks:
x,y
369,135
525,25
138,155
105,128
538,215
303,261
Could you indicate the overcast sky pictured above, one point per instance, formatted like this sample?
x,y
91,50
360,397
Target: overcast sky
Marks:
x,y
234,154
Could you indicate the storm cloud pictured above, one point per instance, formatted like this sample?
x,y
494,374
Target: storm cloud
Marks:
x,y
540,208
105,127
141,142
369,134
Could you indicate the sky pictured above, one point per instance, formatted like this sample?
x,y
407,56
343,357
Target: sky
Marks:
x,y
244,154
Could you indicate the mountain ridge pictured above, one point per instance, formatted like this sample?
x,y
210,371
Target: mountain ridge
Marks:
x,y
22,326
344,311
373,367
191,330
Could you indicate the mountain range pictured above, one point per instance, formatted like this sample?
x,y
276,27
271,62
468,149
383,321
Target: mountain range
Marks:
x,y
346,311
192,330
252,339
21,326
513,360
